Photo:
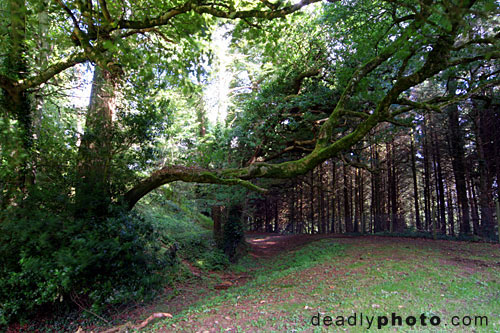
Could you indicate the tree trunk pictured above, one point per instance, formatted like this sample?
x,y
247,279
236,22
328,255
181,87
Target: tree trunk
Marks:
x,y
485,200
334,191
440,186
457,153
390,187
292,205
427,179
394,192
418,222
217,218
95,151
473,204
311,203
376,192
276,215
347,207
301,208
321,198
17,149
361,198
451,215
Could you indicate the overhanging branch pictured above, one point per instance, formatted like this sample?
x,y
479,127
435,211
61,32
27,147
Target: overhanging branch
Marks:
x,y
51,71
186,174
437,60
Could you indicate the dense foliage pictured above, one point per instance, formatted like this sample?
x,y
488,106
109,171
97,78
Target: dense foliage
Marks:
x,y
54,259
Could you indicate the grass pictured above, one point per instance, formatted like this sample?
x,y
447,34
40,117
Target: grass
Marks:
x,y
340,278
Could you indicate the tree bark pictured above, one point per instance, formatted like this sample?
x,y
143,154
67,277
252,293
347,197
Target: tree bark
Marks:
x,y
93,194
440,186
347,206
311,203
418,222
333,189
427,179
457,153
17,149
485,200
473,204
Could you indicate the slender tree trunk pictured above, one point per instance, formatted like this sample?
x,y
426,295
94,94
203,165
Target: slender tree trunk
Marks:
x,y
457,153
451,215
292,205
362,202
276,215
321,222
418,222
376,192
311,203
427,179
390,187
497,204
347,207
485,200
334,191
301,206
327,208
340,225
394,193
355,201
440,186
268,219
473,204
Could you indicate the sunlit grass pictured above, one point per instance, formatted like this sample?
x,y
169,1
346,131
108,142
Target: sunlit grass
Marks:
x,y
335,279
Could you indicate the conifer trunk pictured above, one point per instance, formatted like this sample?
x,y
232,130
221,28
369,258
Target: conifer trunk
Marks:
x,y
457,153
418,222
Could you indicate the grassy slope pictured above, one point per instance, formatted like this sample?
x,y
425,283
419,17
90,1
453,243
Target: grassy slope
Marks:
x,y
337,277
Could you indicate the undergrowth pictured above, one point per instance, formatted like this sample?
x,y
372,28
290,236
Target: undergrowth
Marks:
x,y
63,265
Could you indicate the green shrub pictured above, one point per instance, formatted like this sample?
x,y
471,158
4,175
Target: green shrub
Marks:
x,y
190,231
51,260
213,260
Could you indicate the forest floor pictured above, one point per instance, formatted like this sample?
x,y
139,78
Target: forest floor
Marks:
x,y
293,282
296,277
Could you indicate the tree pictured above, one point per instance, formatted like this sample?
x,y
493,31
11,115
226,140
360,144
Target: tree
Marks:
x,y
102,32
406,43
457,154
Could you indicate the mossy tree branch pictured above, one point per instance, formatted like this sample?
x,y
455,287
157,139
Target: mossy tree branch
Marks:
x,y
186,174
437,59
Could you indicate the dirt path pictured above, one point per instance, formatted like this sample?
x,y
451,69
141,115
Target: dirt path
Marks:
x,y
374,275
265,245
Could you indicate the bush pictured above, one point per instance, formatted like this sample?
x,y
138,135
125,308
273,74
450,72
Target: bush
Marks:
x,y
189,232
46,259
